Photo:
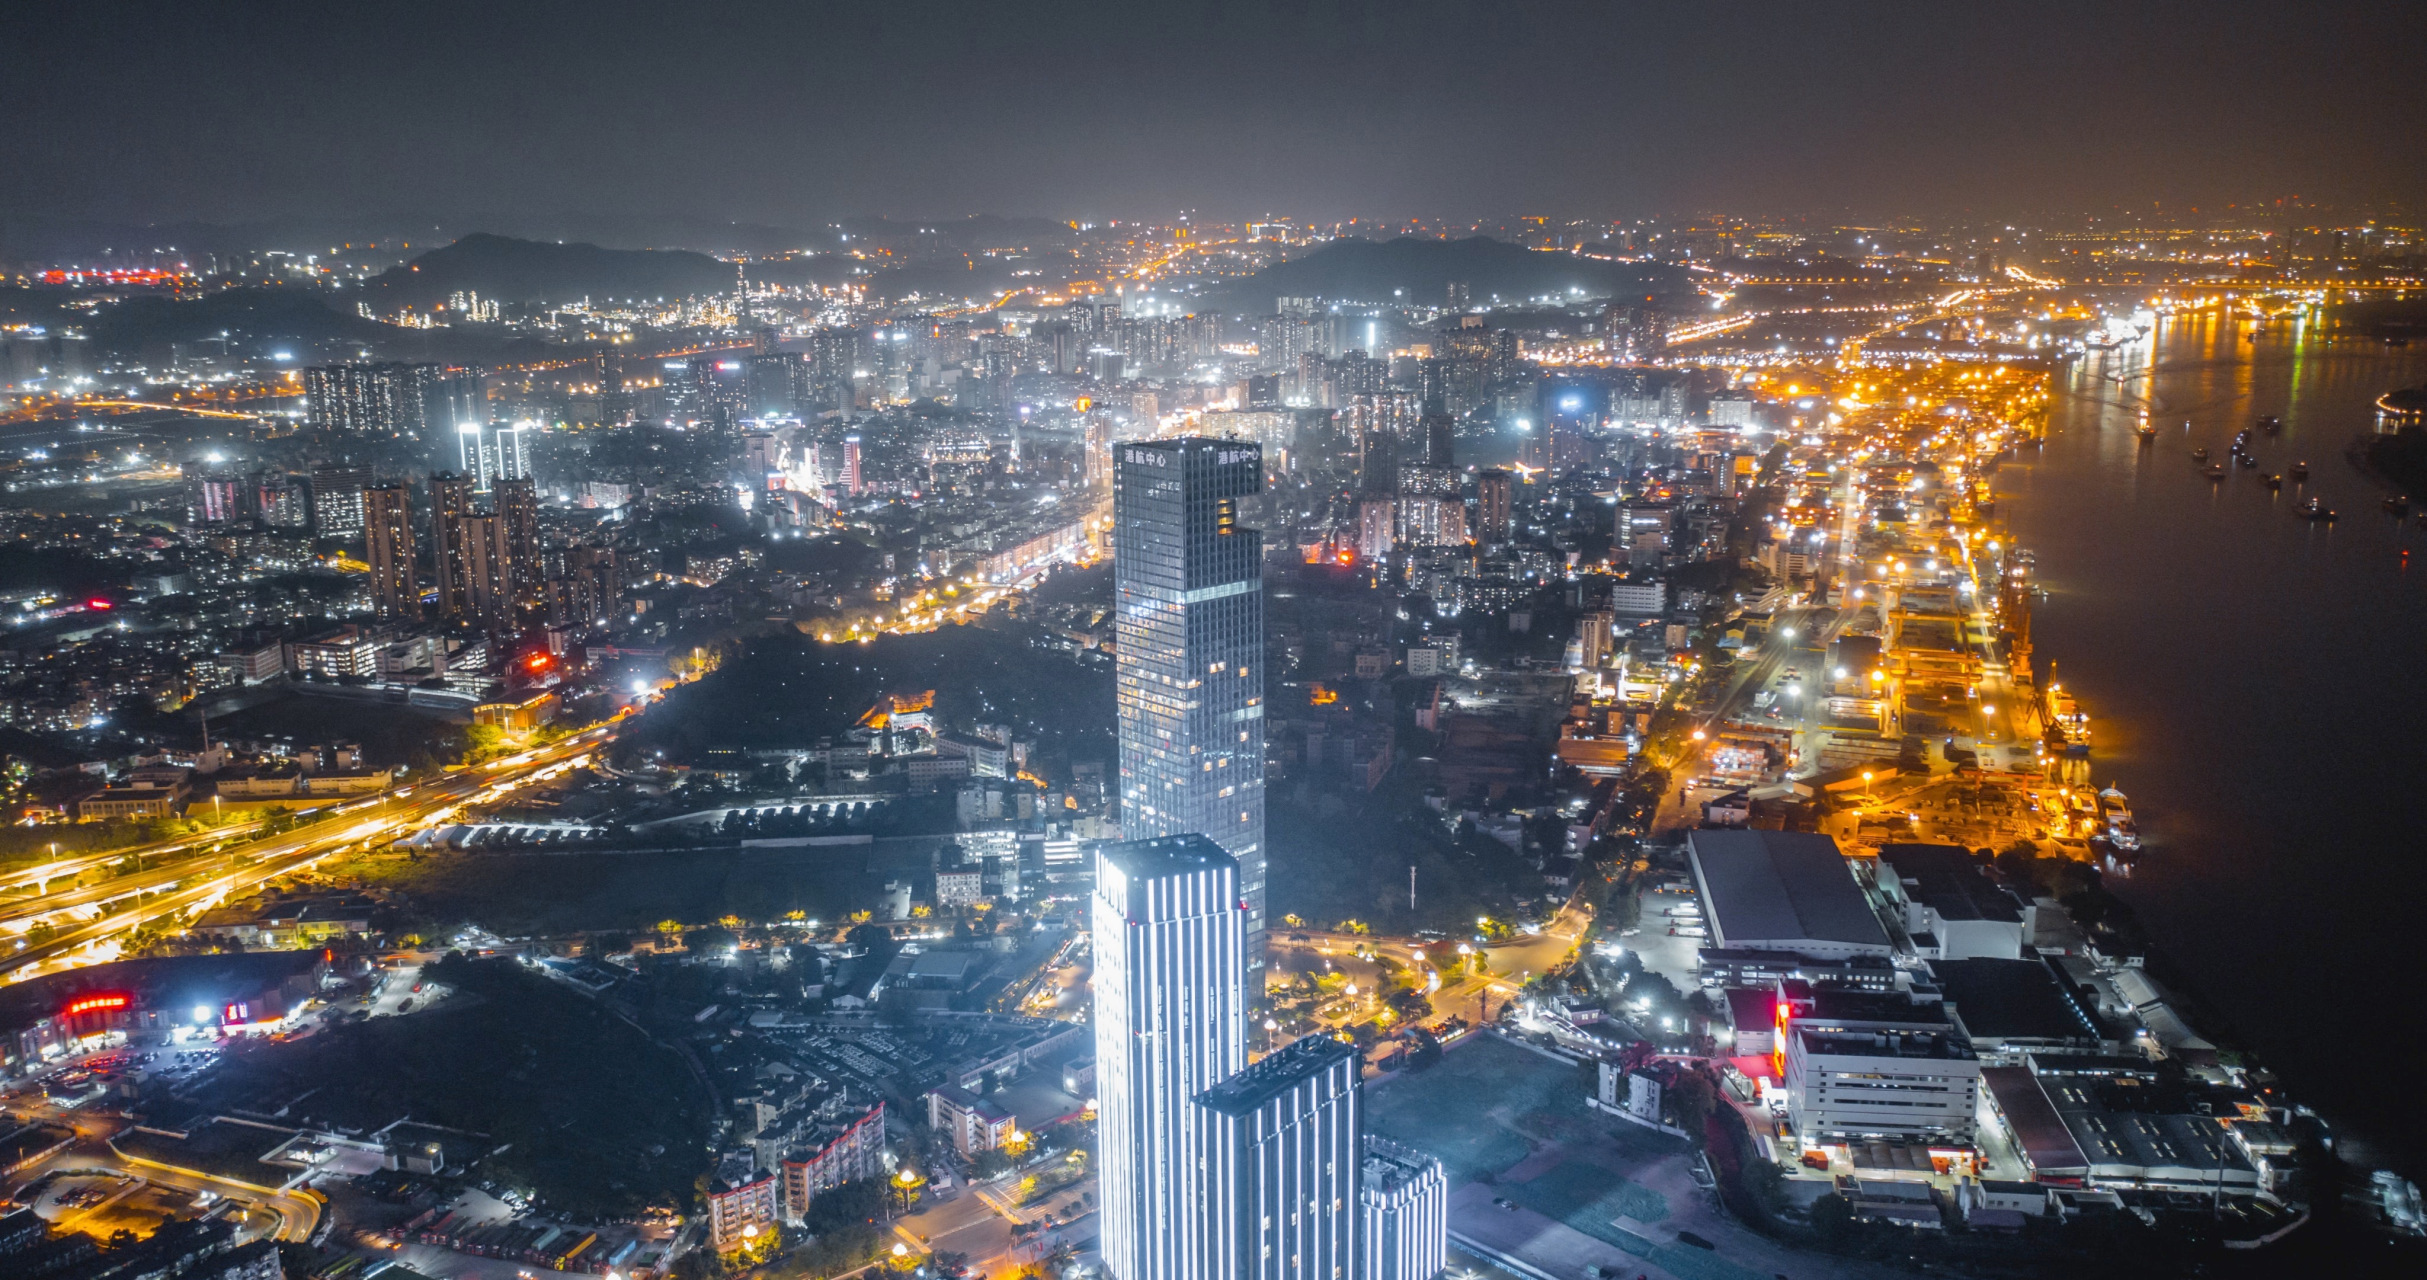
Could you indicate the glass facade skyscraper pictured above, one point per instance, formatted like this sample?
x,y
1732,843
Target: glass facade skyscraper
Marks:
x,y
1188,586
1169,1024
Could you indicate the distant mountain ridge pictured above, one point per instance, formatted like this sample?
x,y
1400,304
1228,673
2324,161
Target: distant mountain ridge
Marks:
x,y
1413,271
508,270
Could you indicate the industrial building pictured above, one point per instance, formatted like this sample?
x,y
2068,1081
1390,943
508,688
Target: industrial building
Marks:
x,y
1950,907
1867,1067
1783,891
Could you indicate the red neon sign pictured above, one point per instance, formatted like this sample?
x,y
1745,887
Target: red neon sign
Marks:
x,y
90,1003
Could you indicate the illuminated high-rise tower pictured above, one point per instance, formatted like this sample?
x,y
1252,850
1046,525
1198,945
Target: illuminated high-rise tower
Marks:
x,y
1188,589
1169,1025
1285,1158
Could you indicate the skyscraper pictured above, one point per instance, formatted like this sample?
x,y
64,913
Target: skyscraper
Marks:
x,y
1285,1159
388,534
1169,995
216,494
1188,588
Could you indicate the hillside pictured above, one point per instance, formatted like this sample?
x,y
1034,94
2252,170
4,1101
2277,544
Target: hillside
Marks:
x,y
261,317
1419,271
510,270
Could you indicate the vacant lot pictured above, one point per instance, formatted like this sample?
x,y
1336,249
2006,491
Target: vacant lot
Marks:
x,y
575,1103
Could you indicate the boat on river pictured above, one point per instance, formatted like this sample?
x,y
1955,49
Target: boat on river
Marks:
x,y
2200,454
2398,505
2272,481
2316,509
2271,424
2216,471
2299,471
2116,814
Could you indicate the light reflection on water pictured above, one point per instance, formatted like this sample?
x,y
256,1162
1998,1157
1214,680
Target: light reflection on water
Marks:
x,y
2254,682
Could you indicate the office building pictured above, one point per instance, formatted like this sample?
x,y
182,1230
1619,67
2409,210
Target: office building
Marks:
x,y
337,501
1403,1214
1285,1166
1168,934
1188,586
1495,502
387,514
851,465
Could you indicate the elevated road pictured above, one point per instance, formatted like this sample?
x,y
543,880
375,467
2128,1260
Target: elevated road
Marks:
x,y
182,887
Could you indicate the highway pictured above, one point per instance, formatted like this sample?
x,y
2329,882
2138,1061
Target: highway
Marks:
x,y
174,889
40,874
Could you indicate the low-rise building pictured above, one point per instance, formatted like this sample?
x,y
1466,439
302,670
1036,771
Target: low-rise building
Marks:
x,y
43,1018
974,1123
135,798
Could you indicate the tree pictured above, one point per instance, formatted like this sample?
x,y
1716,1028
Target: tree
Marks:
x,y
1690,1100
1832,1218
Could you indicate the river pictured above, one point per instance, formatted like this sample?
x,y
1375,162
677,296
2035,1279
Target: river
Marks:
x,y
2255,685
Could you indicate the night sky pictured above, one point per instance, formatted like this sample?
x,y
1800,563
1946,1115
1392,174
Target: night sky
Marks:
x,y
787,113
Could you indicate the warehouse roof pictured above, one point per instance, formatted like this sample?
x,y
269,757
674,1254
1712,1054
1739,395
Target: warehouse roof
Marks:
x,y
2014,1000
1781,888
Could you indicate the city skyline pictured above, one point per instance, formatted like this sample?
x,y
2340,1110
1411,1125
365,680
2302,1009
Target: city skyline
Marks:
x,y
1225,640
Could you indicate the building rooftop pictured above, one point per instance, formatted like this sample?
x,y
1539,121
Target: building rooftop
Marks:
x,y
1944,878
2015,1000
1944,1046
1781,888
1165,855
1276,1073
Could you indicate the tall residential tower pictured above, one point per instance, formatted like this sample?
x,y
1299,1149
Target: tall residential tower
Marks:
x,y
386,511
1188,586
